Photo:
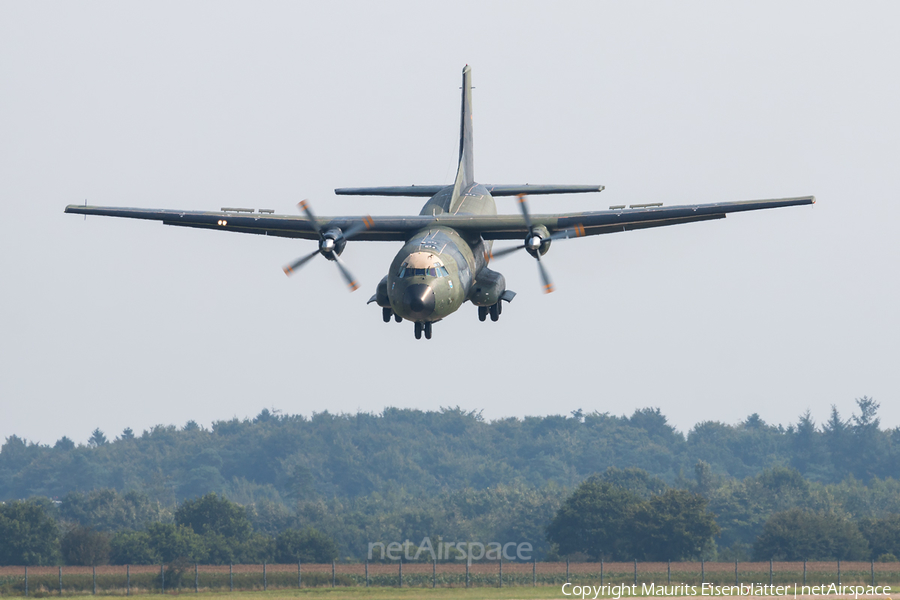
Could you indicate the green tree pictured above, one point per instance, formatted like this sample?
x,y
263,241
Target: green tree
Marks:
x,y
676,525
801,534
84,546
308,546
97,439
598,520
28,534
214,514
132,548
637,481
883,535
172,542
107,510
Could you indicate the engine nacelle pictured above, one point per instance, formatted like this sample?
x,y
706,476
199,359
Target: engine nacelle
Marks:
x,y
381,293
537,241
487,288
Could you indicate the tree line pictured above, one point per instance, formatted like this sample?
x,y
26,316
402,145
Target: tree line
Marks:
x,y
409,474
208,530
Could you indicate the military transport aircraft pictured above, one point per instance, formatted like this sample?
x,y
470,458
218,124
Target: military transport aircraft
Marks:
x,y
448,245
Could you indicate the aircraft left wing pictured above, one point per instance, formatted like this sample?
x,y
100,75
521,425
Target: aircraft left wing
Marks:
x,y
489,227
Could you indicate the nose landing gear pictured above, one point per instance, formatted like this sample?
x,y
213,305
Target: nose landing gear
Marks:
x,y
421,328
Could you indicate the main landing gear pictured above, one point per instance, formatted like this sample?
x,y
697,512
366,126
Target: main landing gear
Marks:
x,y
387,313
421,328
494,310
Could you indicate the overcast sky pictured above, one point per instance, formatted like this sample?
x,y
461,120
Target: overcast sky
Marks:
x,y
114,323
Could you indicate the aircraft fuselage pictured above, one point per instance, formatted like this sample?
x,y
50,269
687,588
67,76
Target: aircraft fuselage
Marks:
x,y
438,268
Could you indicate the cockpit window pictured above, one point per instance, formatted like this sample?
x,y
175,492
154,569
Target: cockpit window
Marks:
x,y
426,265
430,272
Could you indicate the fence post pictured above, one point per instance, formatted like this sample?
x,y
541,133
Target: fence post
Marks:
x,y
467,573
196,579
94,580
702,572
839,571
770,571
231,577
367,573
266,578
400,571
500,565
533,572
300,575
601,571
162,578
668,572
873,573
567,569
332,574
26,580
433,573
804,571
635,571
127,580
736,581
60,581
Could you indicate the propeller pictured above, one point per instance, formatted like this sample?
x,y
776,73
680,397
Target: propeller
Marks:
x,y
534,240
331,244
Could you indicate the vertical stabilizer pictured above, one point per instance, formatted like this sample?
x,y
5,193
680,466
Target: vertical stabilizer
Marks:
x,y
465,175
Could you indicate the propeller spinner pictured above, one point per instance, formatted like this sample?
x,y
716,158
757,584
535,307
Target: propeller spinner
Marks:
x,y
331,244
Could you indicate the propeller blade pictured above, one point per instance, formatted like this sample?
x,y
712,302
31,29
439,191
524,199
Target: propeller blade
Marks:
x,y
357,228
304,206
348,277
545,277
506,251
523,206
289,269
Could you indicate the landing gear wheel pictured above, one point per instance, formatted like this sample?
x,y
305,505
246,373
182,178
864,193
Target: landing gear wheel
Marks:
x,y
427,330
386,314
495,311
418,328
398,318
482,313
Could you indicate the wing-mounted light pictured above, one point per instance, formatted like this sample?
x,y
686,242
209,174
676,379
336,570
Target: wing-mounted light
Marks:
x,y
331,244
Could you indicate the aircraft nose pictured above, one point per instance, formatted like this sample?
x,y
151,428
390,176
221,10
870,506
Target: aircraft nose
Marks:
x,y
419,299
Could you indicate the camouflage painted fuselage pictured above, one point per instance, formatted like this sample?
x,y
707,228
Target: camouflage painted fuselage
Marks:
x,y
428,293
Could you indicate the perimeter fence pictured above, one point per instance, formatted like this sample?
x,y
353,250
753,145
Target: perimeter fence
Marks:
x,y
185,577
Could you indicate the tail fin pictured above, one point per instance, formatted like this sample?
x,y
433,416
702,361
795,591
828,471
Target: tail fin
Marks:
x,y
465,175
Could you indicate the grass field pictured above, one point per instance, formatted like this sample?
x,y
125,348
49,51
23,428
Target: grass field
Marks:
x,y
350,580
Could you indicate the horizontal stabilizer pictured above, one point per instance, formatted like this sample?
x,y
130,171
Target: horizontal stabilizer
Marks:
x,y
515,190
495,190
396,190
